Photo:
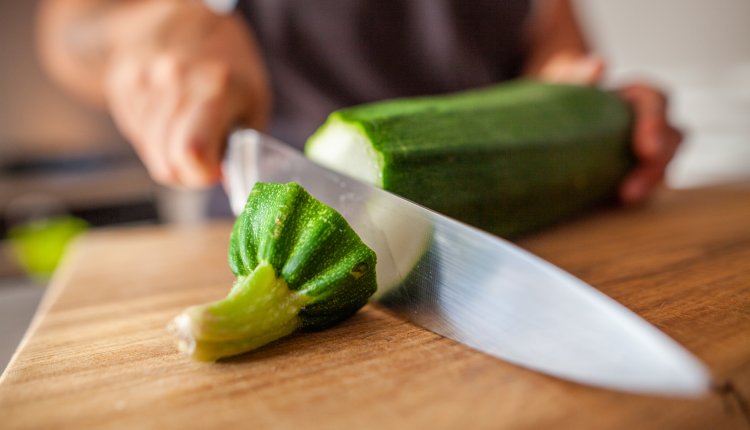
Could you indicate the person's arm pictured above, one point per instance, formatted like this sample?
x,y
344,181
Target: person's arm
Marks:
x,y
557,48
558,52
174,76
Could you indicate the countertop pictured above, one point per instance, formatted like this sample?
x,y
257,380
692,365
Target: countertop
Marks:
x,y
97,354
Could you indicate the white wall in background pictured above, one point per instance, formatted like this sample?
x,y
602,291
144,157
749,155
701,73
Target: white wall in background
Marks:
x,y
700,52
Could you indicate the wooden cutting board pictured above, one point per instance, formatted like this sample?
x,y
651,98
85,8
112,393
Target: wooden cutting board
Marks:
x,y
98,356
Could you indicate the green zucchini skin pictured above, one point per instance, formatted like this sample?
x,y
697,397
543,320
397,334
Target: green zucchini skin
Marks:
x,y
311,247
509,159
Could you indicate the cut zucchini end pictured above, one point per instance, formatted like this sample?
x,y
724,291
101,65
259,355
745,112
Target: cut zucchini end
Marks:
x,y
345,148
260,309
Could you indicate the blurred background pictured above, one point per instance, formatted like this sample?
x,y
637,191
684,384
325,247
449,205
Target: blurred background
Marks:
x,y
62,160
700,53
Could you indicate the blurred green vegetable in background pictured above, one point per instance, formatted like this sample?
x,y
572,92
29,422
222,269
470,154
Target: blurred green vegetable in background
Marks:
x,y
40,244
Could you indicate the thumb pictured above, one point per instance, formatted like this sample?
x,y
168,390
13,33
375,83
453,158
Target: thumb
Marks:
x,y
573,69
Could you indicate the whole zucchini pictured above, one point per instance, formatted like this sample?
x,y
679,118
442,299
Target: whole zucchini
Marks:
x,y
508,158
298,264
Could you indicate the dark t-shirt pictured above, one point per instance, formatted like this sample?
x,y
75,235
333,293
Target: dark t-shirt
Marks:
x,y
326,54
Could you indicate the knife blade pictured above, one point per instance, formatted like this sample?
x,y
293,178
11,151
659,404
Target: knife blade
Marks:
x,y
476,288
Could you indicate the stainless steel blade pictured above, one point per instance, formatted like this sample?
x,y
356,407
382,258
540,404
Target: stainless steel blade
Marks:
x,y
478,289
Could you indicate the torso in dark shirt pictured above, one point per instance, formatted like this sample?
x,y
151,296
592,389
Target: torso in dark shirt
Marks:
x,y
326,54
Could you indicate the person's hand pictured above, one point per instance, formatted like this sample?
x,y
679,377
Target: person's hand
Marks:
x,y
177,88
655,140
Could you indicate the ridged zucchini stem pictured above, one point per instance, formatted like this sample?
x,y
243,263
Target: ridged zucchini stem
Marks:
x,y
260,309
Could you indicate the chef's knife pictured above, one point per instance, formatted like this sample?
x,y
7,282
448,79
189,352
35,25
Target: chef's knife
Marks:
x,y
478,289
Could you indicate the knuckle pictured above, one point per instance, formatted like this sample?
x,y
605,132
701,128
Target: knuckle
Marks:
x,y
168,68
186,150
133,71
125,78
197,180
163,175
197,150
679,136
219,76
676,136
221,72
645,93
660,98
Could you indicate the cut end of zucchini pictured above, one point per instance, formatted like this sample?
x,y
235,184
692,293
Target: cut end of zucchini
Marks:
x,y
181,327
260,309
344,147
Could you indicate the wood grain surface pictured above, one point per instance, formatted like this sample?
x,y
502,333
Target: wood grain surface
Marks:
x,y
98,356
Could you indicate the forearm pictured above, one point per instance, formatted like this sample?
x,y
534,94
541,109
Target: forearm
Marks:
x,y
74,42
78,38
553,33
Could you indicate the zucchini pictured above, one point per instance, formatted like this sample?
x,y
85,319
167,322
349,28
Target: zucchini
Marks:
x,y
298,265
509,159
